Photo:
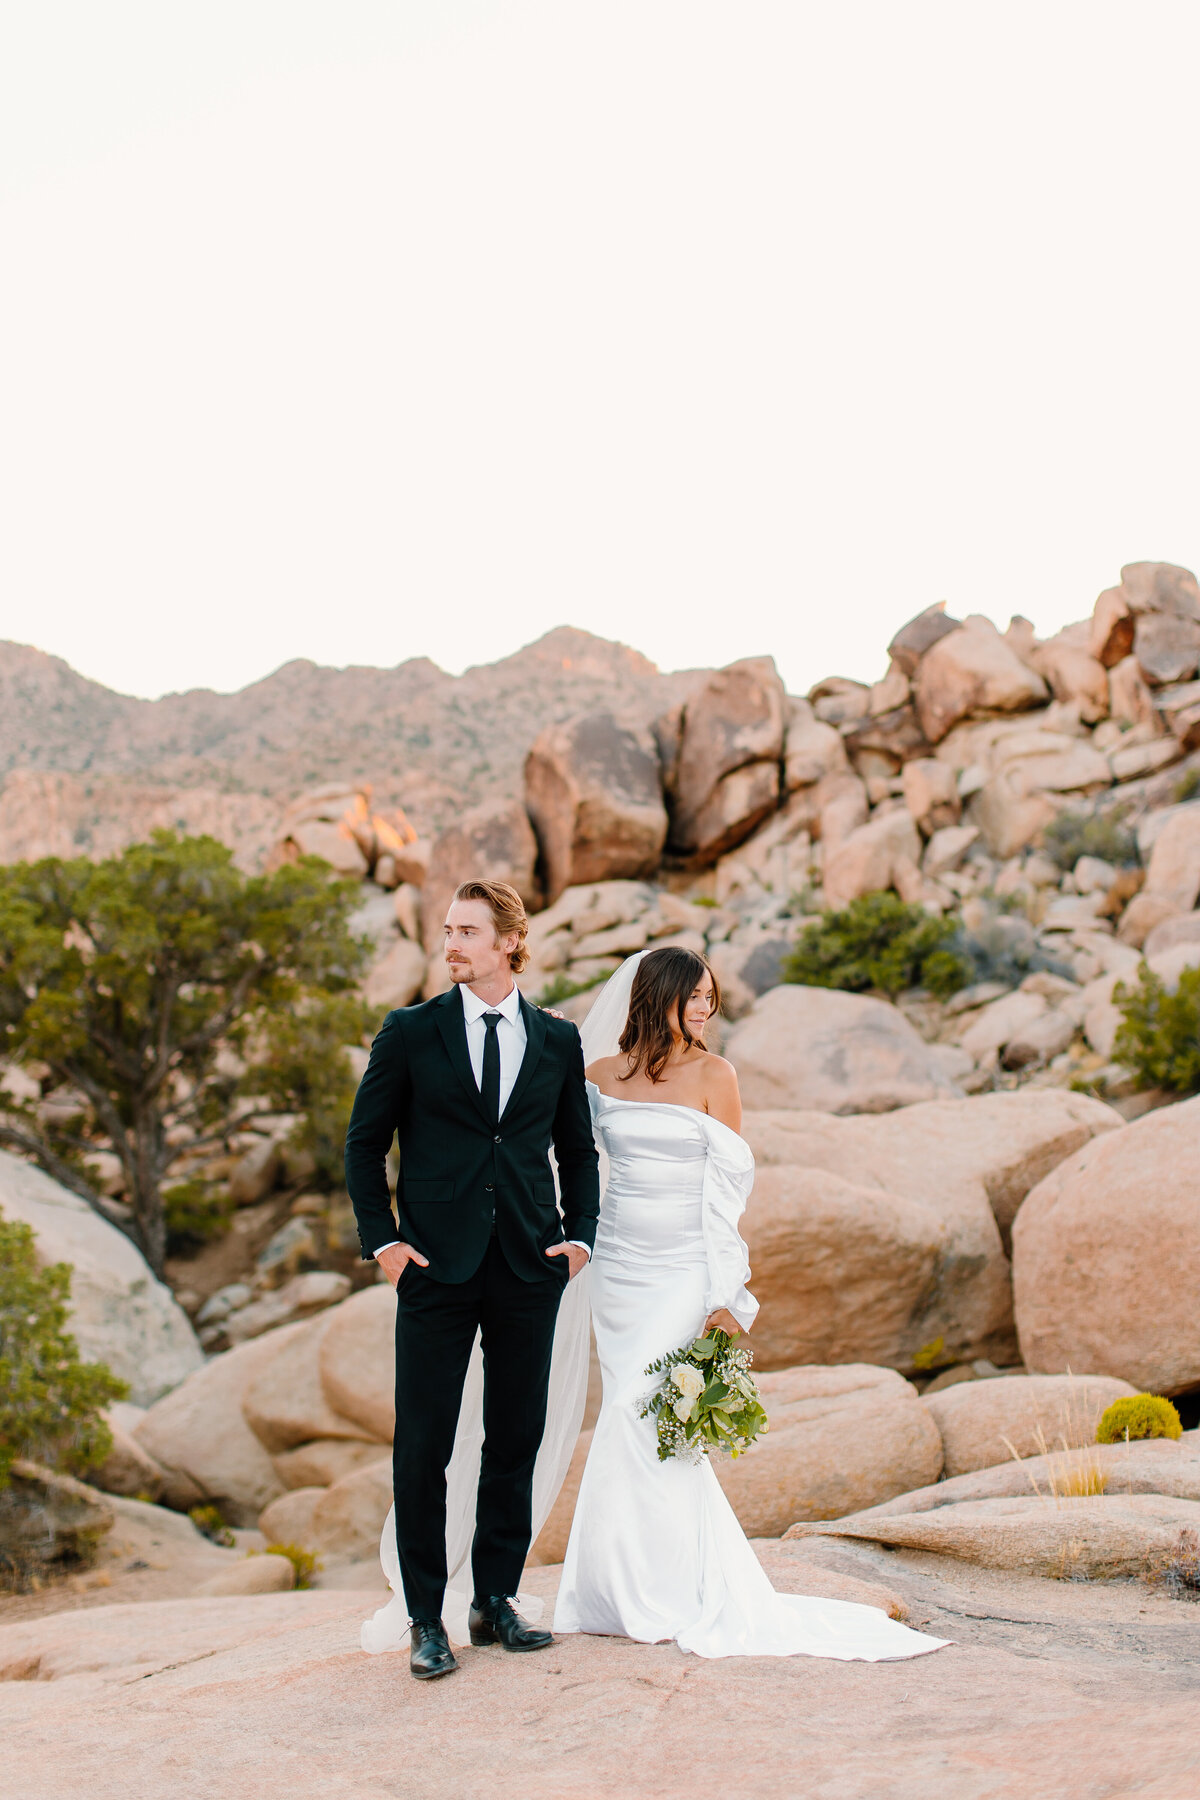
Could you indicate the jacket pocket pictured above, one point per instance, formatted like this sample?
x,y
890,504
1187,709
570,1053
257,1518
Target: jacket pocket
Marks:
x,y
427,1193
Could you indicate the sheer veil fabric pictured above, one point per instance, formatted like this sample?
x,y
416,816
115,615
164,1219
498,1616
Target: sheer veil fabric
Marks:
x,y
388,1628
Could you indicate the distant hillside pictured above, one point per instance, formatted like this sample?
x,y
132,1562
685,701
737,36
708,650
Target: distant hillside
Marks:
x,y
430,742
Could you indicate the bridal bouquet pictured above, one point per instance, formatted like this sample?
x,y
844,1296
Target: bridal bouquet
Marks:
x,y
706,1401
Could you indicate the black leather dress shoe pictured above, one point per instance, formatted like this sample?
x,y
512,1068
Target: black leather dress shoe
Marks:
x,y
497,1621
429,1652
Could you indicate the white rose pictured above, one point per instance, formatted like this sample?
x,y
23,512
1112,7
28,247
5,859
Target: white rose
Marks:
x,y
688,1380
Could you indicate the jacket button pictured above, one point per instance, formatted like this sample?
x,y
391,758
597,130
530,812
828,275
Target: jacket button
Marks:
x,y
495,1140
487,1187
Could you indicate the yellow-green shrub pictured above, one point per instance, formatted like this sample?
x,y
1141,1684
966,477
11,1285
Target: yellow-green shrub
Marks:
x,y
1138,1416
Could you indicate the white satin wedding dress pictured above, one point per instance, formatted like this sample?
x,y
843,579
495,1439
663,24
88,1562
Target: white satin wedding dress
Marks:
x,y
655,1550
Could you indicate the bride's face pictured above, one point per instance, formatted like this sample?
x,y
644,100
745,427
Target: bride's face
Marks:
x,y
697,1008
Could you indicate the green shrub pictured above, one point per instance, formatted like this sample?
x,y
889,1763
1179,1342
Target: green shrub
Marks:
x,y
304,1562
1186,788
1138,1416
1158,1039
50,1401
195,1210
879,942
210,1524
560,987
1103,833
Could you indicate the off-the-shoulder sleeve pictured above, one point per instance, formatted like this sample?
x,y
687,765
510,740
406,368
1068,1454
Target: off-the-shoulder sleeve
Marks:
x,y
728,1179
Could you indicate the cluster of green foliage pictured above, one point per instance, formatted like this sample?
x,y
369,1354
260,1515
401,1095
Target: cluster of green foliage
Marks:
x,y
129,977
1138,1416
304,1562
1098,832
50,1402
879,942
210,1523
1158,1039
560,987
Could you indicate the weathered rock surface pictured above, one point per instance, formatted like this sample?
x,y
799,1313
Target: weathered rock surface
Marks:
x,y
971,670
837,1435
1174,872
1090,1537
872,1238
593,790
986,1422
882,854
254,1575
396,979
830,1051
493,842
726,778
284,1402
199,1436
357,1355
1090,1249
120,1314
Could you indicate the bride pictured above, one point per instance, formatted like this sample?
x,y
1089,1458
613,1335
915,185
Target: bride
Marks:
x,y
655,1550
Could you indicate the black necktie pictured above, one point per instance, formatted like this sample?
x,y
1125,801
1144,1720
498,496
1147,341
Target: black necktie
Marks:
x,y
490,1085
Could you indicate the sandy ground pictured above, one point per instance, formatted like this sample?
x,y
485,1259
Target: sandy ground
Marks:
x,y
1064,1690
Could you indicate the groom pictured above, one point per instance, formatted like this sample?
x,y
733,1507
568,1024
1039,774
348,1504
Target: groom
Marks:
x,y
476,1084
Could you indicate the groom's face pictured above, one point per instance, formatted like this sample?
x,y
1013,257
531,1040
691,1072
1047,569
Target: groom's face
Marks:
x,y
473,952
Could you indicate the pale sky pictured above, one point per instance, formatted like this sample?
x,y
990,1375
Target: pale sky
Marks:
x,y
367,329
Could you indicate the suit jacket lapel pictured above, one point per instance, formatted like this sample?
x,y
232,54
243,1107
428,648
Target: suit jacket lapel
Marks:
x,y
453,1028
535,1038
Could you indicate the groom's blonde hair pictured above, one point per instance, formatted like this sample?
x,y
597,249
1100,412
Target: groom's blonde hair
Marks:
x,y
508,914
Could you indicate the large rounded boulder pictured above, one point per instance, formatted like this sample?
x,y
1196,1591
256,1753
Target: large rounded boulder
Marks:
x,y
1106,1257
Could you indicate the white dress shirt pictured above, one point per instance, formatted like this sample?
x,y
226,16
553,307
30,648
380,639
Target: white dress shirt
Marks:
x,y
511,1038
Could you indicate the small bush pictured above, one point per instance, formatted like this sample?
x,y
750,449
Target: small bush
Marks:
x,y
50,1401
879,942
195,1210
210,1524
1075,833
1178,1569
1158,1039
304,1562
1138,1416
561,988
1186,788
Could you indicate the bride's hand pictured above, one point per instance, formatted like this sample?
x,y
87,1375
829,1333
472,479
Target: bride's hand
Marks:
x,y
722,1320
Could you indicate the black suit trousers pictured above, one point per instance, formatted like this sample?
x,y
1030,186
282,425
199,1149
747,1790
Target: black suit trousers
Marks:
x,y
436,1324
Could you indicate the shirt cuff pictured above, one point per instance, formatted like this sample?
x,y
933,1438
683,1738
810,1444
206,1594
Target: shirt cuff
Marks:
x,y
586,1248
394,1245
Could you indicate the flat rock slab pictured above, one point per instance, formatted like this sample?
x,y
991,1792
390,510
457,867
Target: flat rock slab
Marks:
x,y
1051,1688
1094,1536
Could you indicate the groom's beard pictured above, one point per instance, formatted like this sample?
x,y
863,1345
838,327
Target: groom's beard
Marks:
x,y
462,972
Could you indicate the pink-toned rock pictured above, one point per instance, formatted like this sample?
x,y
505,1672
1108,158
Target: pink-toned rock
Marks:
x,y
1130,701
1000,1021
1174,871
127,1469
839,701
1075,676
840,807
812,750
1138,760
882,854
593,790
1145,914
284,1403
1155,613
837,1434
1183,929
987,1422
726,779
349,1516
1008,819
326,1460
1089,1537
396,979
1040,1041
969,671
871,1239
357,1356
946,849
289,1519
253,1575
931,794
1063,769
832,1052
199,1437
493,842
913,640
1090,1247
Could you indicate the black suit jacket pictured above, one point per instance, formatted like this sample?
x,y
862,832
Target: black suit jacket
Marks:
x,y
458,1170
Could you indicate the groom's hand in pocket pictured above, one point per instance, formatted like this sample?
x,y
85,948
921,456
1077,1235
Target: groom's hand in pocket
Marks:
x,y
576,1258
396,1258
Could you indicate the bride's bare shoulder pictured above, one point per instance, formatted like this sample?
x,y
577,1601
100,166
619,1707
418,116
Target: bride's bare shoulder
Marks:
x,y
602,1067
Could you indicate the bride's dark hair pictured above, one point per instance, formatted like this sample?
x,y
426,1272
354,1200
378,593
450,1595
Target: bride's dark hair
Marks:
x,y
662,986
